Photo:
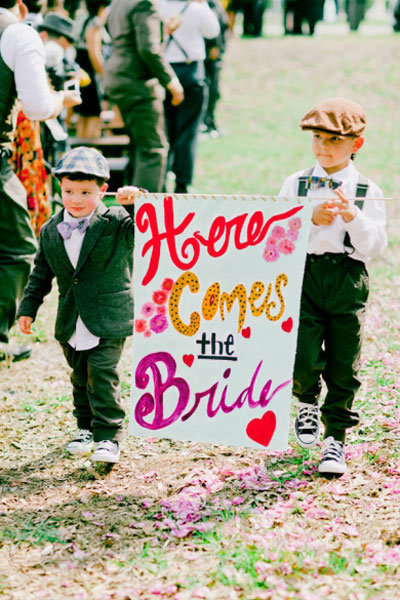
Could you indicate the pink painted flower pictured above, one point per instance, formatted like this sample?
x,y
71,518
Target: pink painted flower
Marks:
x,y
158,324
162,309
147,333
167,284
140,325
278,232
271,255
272,243
292,235
294,223
286,247
148,309
160,297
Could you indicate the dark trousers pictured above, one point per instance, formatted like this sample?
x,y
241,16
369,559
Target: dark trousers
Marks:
x,y
298,11
144,122
253,12
334,296
183,122
96,388
213,71
17,245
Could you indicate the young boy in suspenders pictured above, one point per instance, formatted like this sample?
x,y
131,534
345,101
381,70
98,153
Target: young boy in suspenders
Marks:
x,y
344,235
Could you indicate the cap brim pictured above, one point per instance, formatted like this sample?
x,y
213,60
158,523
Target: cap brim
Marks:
x,y
57,31
312,128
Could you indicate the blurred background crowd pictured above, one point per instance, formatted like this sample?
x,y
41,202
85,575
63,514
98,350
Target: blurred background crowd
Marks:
x,y
120,55
139,80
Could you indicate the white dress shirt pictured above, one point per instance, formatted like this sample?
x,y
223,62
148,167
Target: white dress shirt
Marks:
x,y
198,22
22,50
366,230
81,339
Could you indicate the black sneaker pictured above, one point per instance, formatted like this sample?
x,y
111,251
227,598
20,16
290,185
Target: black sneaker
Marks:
x,y
306,425
333,461
82,442
107,451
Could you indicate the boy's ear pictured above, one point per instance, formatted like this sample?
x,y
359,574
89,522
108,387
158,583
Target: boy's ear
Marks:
x,y
103,189
358,142
23,10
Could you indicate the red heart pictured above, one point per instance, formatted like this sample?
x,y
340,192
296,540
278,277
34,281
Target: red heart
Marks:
x,y
246,332
287,325
188,359
262,430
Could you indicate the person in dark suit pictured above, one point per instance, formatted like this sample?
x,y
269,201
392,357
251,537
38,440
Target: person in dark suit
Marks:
x,y
189,24
134,76
23,77
88,248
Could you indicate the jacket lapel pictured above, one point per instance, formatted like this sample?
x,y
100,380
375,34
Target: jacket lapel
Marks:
x,y
93,232
58,242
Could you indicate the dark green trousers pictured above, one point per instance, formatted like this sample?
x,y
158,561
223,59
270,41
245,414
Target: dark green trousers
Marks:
x,y
144,121
96,388
334,296
17,245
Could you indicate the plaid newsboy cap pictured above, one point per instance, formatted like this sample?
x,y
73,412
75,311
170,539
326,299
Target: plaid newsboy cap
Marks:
x,y
83,160
336,115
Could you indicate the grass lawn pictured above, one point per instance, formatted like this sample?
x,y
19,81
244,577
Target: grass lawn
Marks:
x,y
194,521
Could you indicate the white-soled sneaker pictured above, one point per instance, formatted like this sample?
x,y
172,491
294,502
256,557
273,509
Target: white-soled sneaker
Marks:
x,y
306,425
107,451
82,442
333,461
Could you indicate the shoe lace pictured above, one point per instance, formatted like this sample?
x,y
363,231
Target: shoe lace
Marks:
x,y
332,450
308,417
83,435
108,445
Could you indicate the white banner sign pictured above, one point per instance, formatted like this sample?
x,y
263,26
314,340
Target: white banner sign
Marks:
x,y
217,282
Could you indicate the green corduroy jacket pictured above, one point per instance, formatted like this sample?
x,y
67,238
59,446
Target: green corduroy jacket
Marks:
x,y
99,289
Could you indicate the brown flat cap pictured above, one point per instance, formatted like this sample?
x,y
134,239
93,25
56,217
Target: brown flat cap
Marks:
x,y
336,115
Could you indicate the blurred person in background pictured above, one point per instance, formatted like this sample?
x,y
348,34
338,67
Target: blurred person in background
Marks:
x,y
296,12
134,76
188,24
355,10
394,11
215,49
72,7
27,152
28,164
93,48
253,14
35,12
58,35
23,77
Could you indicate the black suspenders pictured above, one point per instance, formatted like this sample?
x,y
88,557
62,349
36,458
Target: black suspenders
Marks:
x,y
303,179
361,192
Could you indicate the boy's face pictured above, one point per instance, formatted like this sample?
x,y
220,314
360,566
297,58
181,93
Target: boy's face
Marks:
x,y
80,198
333,151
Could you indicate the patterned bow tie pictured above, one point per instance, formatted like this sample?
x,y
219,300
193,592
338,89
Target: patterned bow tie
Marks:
x,y
65,228
314,183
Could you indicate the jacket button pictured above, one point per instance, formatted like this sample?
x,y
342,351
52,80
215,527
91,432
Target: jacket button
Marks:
x,y
76,280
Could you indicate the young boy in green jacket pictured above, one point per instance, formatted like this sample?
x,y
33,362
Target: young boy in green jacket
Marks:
x,y
88,248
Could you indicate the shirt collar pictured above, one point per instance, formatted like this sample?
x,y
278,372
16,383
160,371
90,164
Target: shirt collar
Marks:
x,y
5,11
345,173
